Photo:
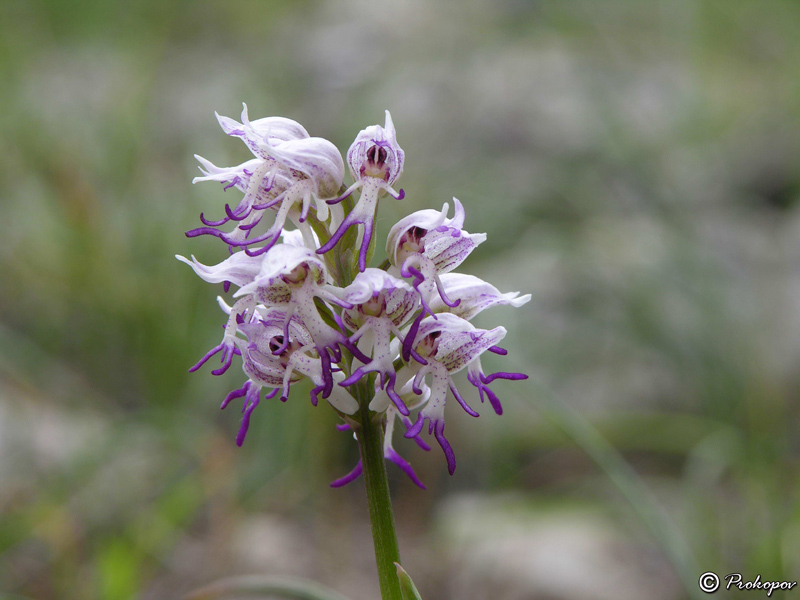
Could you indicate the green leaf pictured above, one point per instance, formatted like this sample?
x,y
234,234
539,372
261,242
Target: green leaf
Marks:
x,y
407,586
293,588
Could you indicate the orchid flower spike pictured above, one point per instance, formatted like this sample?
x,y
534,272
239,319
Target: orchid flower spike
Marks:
x,y
376,162
297,315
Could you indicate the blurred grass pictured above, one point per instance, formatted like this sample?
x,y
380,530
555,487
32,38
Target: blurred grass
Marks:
x,y
634,164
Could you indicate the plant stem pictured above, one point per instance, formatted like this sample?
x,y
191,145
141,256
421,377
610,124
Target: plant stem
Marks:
x,y
370,441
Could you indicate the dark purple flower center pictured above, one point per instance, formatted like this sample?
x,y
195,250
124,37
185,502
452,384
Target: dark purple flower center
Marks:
x,y
429,344
375,165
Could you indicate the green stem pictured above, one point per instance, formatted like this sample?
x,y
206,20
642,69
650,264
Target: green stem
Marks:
x,y
370,441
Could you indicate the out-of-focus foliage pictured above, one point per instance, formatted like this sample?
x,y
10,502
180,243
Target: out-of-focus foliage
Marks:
x,y
636,166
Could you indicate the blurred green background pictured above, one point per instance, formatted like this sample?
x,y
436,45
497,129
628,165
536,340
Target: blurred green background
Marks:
x,y
635,166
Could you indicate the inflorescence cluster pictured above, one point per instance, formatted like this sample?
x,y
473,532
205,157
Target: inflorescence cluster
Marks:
x,y
308,306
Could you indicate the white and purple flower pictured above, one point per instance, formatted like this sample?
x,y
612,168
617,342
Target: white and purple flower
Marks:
x,y
375,344
290,168
376,162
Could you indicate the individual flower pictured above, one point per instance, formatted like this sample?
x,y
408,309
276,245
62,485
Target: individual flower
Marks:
x,y
448,344
290,168
381,304
470,295
290,278
269,361
425,245
376,162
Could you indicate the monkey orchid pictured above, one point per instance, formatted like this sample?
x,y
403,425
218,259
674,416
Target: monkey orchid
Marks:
x,y
376,162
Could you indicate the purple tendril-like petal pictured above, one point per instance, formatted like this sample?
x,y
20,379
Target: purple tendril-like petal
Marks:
x,y
236,394
448,450
232,213
339,322
498,350
205,231
343,427
419,441
393,456
346,194
315,394
354,377
227,359
263,249
354,351
213,223
389,388
419,278
351,476
327,374
408,342
461,401
208,355
349,221
285,343
226,286
416,428
503,375
250,404
484,389
362,254
443,295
